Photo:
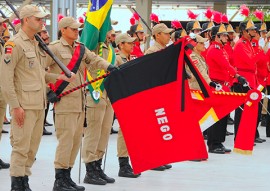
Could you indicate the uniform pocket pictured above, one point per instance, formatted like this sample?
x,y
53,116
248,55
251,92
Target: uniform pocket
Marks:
x,y
31,61
32,93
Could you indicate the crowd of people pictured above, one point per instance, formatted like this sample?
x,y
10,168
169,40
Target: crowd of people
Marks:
x,y
225,63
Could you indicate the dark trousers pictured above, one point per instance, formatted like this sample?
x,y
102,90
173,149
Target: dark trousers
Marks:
x,y
46,111
216,133
267,115
238,112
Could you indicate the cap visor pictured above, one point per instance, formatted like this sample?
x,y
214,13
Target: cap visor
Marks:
x,y
168,30
131,39
3,20
41,15
76,25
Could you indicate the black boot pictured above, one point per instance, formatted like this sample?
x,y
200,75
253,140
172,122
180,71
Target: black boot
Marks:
x,y
4,165
26,184
101,172
17,183
71,182
125,168
61,183
92,175
45,132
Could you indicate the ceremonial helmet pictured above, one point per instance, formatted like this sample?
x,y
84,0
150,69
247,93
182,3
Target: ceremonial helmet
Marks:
x,y
219,29
193,25
246,25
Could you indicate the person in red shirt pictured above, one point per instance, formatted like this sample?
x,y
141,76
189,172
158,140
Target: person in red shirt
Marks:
x,y
137,31
262,72
220,71
244,60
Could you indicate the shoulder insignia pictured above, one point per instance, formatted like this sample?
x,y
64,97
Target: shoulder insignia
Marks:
x,y
217,46
244,41
7,58
55,42
253,44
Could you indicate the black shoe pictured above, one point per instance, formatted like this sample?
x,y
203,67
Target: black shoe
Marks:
x,y
167,166
258,140
4,165
92,175
225,149
125,168
102,174
47,124
25,180
217,150
71,182
160,168
113,131
230,121
45,132
228,133
4,131
6,122
61,183
17,184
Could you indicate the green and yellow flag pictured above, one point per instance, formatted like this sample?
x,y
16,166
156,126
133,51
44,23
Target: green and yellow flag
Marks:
x,y
96,26
97,23
96,89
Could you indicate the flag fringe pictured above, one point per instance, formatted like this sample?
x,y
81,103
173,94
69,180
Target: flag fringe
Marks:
x,y
243,152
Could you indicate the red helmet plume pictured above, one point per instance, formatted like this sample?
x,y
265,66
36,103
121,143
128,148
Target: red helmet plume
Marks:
x,y
154,18
191,15
208,14
244,10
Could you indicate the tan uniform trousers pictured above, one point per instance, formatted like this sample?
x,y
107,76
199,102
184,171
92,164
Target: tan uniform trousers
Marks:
x,y
121,145
99,118
69,129
25,142
3,106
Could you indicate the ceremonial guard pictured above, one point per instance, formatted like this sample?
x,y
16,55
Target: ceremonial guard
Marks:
x,y
3,104
125,45
244,60
161,35
220,71
24,89
262,72
69,110
99,117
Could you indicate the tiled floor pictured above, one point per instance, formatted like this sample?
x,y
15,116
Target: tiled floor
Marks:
x,y
230,172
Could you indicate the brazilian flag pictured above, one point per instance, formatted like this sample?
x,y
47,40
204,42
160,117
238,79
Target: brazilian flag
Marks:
x,y
97,23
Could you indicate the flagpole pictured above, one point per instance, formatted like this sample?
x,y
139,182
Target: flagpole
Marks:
x,y
82,85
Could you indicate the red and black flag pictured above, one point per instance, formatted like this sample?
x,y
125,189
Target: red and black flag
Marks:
x,y
159,115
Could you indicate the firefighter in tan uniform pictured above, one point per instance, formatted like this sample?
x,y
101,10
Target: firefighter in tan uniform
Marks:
x,y
24,89
69,111
125,45
99,117
199,62
161,35
3,104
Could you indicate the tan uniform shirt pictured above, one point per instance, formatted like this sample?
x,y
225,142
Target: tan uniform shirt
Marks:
x,y
73,102
121,59
22,73
199,62
156,47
